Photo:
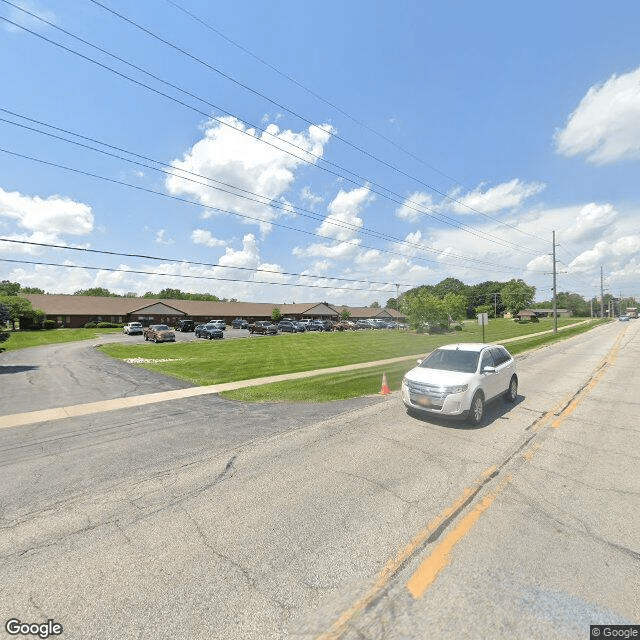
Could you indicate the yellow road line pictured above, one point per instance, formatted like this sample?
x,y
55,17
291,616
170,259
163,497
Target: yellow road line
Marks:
x,y
389,570
439,558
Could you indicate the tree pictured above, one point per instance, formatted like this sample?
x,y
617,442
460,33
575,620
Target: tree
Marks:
x,y
276,314
20,310
517,295
424,310
5,317
455,306
96,291
31,290
374,305
9,288
392,303
345,314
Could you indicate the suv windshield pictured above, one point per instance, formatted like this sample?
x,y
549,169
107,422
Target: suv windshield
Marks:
x,y
452,360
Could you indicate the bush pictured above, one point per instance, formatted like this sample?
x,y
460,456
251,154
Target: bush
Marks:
x,y
90,325
49,324
108,325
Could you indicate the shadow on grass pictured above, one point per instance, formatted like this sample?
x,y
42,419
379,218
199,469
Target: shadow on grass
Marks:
x,y
495,410
18,368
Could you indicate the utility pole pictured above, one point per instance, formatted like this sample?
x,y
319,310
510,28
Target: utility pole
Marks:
x,y
555,305
398,306
601,293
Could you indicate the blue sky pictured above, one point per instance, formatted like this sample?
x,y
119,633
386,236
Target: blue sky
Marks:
x,y
375,143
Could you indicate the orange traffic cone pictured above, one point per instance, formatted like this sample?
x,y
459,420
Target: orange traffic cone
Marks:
x,y
385,387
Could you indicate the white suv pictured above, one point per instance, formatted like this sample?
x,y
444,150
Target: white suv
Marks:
x,y
458,379
219,324
132,328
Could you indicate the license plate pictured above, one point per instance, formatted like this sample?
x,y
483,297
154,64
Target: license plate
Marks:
x,y
423,401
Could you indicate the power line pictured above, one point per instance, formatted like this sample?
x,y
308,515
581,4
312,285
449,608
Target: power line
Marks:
x,y
296,114
419,208
191,202
177,275
199,264
269,201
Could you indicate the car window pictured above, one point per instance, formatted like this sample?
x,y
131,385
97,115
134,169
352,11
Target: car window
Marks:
x,y
500,355
451,360
487,360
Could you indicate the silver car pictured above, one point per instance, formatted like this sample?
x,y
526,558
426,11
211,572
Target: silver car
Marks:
x,y
459,379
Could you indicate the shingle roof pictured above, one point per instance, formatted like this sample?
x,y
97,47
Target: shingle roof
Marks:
x,y
70,305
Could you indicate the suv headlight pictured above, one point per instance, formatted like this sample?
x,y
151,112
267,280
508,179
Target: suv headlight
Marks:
x,y
457,389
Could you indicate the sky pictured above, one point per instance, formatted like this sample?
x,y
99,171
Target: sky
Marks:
x,y
319,151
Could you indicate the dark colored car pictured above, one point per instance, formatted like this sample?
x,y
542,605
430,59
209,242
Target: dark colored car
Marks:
x,y
300,326
324,325
185,325
240,323
286,326
263,327
209,331
159,333
311,325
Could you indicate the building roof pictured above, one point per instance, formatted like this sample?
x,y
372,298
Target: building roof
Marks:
x,y
70,305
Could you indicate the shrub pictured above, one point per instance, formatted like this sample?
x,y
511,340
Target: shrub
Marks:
x,y
108,325
50,324
90,325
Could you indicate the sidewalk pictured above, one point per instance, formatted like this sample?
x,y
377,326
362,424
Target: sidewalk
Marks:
x,y
59,413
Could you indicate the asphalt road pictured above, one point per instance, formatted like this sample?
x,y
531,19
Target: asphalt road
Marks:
x,y
204,518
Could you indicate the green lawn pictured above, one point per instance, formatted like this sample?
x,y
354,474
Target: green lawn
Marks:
x,y
213,362
24,339
362,382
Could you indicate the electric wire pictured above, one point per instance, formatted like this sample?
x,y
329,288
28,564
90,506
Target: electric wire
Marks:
x,y
198,204
191,276
192,262
268,201
419,208
301,117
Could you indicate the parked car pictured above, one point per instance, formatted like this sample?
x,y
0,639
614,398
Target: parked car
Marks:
x,y
310,325
324,325
132,328
362,324
221,324
209,331
286,326
624,318
458,379
263,327
300,326
240,323
185,325
159,333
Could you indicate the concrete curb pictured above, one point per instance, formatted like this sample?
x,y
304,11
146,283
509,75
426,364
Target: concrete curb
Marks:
x,y
72,411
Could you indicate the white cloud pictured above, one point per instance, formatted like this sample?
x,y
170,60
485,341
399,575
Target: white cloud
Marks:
x,y
590,221
507,195
26,20
343,220
257,162
606,124
413,205
202,236
43,219
160,237
308,196
337,251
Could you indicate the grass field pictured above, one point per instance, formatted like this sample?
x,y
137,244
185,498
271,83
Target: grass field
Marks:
x,y
24,339
353,384
214,362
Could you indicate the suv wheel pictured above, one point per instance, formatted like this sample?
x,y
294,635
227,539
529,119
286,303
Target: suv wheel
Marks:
x,y
476,411
512,392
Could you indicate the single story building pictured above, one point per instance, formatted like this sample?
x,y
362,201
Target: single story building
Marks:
x,y
76,311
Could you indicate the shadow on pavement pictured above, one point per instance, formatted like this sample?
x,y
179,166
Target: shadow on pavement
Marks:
x,y
18,368
496,410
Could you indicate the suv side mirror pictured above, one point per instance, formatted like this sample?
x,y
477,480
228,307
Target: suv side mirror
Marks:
x,y
488,369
